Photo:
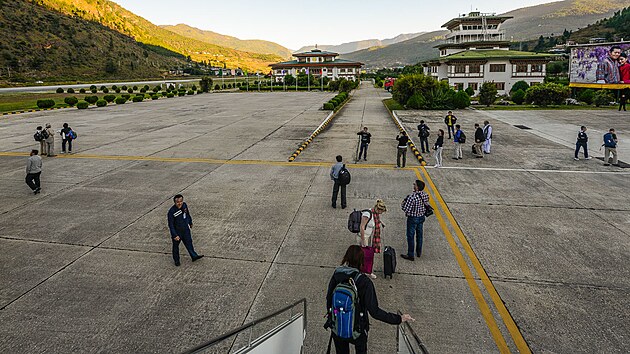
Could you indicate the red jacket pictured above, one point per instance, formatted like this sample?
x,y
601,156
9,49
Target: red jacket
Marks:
x,y
624,73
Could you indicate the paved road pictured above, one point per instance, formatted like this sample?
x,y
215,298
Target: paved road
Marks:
x,y
524,244
79,86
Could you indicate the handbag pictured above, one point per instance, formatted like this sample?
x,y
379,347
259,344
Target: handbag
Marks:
x,y
428,210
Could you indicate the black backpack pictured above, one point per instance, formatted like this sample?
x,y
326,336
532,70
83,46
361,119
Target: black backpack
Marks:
x,y
354,220
45,134
423,132
344,177
38,136
462,138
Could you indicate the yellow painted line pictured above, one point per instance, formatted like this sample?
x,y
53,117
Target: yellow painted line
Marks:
x,y
516,334
486,312
207,161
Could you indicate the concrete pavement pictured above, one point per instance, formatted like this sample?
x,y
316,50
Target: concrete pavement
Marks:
x,y
86,264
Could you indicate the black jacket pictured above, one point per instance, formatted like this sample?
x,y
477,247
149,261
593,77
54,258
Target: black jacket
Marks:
x,y
403,140
479,135
365,137
582,137
439,142
367,297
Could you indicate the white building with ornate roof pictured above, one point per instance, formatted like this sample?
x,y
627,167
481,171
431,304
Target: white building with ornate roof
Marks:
x,y
475,51
317,63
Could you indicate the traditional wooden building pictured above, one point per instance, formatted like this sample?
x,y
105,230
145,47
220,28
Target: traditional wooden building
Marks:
x,y
475,51
317,63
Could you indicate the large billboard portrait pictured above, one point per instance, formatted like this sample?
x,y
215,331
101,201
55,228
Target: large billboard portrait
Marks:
x,y
604,63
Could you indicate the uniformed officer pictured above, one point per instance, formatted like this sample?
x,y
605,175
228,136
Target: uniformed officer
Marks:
x,y
180,223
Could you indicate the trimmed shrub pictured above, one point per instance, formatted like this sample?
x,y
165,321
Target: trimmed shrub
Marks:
x,y
164,93
60,90
82,90
70,90
470,91
603,98
124,87
328,106
121,100
587,96
217,87
126,96
157,89
518,96
170,95
129,90
154,97
117,90
461,100
83,105
93,87
194,87
101,103
143,90
140,95
47,103
109,98
180,94
146,87
138,98
520,85
114,87
191,92
71,101
91,99
105,89
547,94
135,88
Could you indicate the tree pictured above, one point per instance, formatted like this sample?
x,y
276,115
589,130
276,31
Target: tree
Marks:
x,y
469,90
547,94
603,98
205,84
289,79
461,100
488,93
110,66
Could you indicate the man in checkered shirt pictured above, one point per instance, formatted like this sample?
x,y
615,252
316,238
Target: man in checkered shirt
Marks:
x,y
414,206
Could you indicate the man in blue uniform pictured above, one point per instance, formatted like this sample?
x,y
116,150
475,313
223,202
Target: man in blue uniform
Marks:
x,y
180,223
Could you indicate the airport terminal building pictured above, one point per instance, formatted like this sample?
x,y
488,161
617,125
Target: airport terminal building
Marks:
x,y
317,63
475,51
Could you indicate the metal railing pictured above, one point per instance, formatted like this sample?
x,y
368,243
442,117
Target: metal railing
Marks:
x,y
249,326
408,342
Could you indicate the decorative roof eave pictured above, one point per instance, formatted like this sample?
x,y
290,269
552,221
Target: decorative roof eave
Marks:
x,y
471,44
302,55
459,20
315,65
458,58
466,61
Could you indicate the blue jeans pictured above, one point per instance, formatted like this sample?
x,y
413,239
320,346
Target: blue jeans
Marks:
x,y
414,226
363,150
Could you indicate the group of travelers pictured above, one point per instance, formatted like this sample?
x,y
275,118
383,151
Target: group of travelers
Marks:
x,y
46,138
610,142
481,146
351,294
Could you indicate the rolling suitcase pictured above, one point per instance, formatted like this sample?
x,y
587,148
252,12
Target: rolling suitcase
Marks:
x,y
389,261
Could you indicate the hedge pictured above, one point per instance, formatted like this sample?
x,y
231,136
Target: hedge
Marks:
x,y
140,95
170,95
154,97
191,92
70,90
82,90
83,105
71,101
138,98
91,99
180,94
329,106
105,89
47,103
60,90
109,98
101,103
126,96
121,100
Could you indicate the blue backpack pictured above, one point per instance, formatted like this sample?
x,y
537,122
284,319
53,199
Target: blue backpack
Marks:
x,y
345,314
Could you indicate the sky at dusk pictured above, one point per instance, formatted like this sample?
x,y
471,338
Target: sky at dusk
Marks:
x,y
294,24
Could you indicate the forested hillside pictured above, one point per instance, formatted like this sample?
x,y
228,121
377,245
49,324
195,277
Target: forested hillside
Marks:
x,y
41,44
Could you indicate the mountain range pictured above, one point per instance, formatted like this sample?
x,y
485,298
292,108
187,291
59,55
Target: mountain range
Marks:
x,y
350,47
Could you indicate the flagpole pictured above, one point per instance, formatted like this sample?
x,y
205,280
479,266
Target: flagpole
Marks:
x,y
296,79
271,80
247,81
308,79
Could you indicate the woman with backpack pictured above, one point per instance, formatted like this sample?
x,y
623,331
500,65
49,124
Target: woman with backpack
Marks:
x,y
438,146
350,297
370,235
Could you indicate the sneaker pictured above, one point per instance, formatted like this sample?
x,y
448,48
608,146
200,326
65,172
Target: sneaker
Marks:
x,y
616,165
373,276
437,166
588,158
606,164
198,257
454,158
38,190
459,158
576,159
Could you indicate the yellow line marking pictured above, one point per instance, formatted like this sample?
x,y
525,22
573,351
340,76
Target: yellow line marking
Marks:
x,y
208,161
516,334
486,312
